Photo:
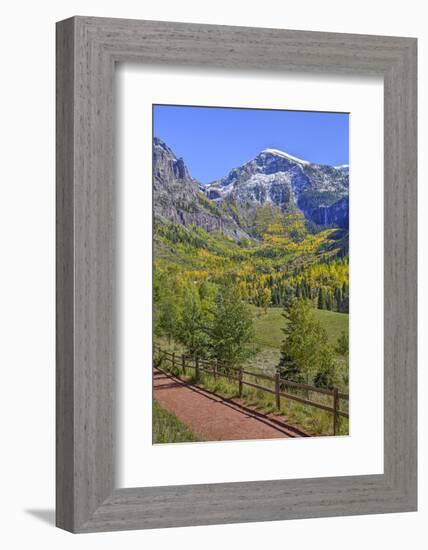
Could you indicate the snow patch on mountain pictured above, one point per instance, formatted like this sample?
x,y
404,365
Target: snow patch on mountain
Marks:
x,y
283,154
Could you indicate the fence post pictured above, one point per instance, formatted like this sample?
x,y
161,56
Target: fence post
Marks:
x,y
196,367
336,408
183,363
241,374
277,390
173,359
215,366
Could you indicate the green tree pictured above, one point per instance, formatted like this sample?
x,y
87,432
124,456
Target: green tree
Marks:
x,y
321,298
190,326
194,318
344,308
326,375
265,298
166,300
294,225
232,327
288,368
342,346
305,351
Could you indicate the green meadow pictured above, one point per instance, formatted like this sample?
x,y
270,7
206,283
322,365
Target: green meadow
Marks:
x,y
269,325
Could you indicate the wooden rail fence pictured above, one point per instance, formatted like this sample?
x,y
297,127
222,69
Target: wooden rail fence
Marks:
x,y
237,374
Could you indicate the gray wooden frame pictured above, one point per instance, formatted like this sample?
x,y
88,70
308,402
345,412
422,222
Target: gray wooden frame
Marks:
x,y
87,50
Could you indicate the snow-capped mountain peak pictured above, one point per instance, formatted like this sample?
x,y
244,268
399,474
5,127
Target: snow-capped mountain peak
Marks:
x,y
278,178
283,154
273,178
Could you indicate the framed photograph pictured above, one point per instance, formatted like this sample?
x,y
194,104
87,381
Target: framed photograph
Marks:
x,y
236,274
250,274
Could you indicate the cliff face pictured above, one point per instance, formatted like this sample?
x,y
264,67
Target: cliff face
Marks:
x,y
335,215
178,198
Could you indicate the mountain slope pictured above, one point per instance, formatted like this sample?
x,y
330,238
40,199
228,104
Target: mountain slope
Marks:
x,y
253,232
277,178
178,198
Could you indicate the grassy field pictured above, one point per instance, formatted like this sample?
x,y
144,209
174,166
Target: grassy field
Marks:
x,y
268,325
167,428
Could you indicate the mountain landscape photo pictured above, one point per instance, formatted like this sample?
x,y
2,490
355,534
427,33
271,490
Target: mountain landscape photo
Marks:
x,y
250,277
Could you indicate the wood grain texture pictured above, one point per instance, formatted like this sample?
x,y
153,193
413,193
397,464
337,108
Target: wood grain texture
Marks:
x,y
87,49
64,276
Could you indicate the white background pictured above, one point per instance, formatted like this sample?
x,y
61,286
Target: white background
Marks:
x,y
27,286
361,452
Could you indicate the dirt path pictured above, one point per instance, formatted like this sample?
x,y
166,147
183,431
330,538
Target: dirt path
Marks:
x,y
214,418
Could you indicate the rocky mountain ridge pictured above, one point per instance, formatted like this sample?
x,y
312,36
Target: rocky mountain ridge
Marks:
x,y
178,198
273,177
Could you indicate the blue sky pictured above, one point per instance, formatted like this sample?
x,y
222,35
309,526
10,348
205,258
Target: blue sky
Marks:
x,y
214,140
